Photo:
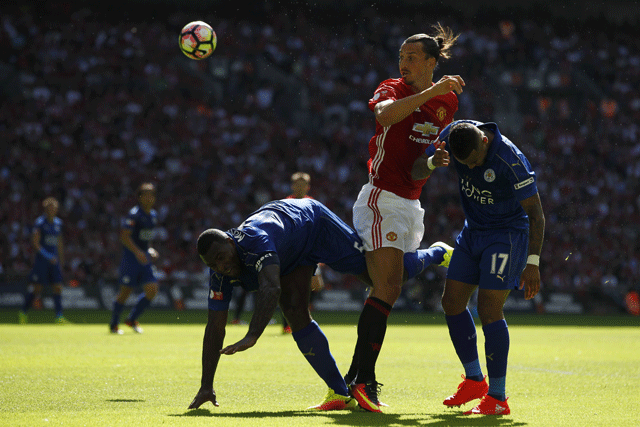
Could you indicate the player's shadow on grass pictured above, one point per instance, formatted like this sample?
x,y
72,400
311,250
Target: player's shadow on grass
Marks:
x,y
459,419
357,419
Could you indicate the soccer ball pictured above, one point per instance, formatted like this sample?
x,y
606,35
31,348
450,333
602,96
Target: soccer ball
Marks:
x,y
197,40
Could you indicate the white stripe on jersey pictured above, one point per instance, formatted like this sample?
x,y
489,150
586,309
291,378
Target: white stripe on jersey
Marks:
x,y
379,157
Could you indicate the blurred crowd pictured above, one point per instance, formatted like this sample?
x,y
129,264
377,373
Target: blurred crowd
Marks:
x,y
92,106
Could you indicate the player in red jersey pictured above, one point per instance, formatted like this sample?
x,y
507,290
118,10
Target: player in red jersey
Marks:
x,y
410,112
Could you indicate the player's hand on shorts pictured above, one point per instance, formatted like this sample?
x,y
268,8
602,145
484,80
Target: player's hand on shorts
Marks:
x,y
204,395
530,281
449,83
153,253
141,257
242,345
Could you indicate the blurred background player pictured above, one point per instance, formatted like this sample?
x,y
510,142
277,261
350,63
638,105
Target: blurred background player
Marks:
x,y
409,112
241,300
497,250
300,186
136,268
46,239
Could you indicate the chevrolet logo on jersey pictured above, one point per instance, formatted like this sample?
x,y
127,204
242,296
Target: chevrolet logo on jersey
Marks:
x,y
425,128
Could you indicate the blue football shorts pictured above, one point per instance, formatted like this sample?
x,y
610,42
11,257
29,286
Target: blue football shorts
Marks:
x,y
490,259
45,273
133,274
336,245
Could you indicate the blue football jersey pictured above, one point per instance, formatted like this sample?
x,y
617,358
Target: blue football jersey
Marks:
x,y
49,233
142,226
290,233
491,193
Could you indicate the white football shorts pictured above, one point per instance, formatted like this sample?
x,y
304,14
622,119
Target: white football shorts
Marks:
x,y
383,219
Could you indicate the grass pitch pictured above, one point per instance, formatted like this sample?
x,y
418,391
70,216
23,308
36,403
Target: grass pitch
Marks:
x,y
568,371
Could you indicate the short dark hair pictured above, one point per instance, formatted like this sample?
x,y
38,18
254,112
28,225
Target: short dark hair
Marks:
x,y
207,238
463,139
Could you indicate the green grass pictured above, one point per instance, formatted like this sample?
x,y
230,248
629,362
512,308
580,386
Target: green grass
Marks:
x,y
571,371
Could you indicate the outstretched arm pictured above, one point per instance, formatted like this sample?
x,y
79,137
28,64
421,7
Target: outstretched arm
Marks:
x,y
530,278
211,345
266,302
389,112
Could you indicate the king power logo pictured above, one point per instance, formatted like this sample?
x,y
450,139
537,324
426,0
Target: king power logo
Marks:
x,y
484,197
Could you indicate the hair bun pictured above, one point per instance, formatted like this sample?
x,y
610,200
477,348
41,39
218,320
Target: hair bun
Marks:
x,y
440,42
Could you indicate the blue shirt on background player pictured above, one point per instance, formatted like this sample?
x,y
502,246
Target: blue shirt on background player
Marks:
x,y
497,250
274,252
46,238
136,268
141,225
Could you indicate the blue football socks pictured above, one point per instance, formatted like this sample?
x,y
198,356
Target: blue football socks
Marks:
x,y
141,305
496,347
28,300
115,314
314,347
463,335
57,304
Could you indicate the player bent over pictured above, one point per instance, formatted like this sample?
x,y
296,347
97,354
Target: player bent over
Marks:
x,y
274,252
497,250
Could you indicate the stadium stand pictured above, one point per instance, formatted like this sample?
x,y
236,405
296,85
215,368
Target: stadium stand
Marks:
x,y
92,104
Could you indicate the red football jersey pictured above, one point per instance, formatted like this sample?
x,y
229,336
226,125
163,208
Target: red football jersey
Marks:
x,y
393,149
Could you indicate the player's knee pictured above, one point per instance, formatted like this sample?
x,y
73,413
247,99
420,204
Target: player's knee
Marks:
x,y
151,291
123,294
451,306
489,315
297,316
387,292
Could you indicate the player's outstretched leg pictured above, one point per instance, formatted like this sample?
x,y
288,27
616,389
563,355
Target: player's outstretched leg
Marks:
x,y
438,253
441,249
